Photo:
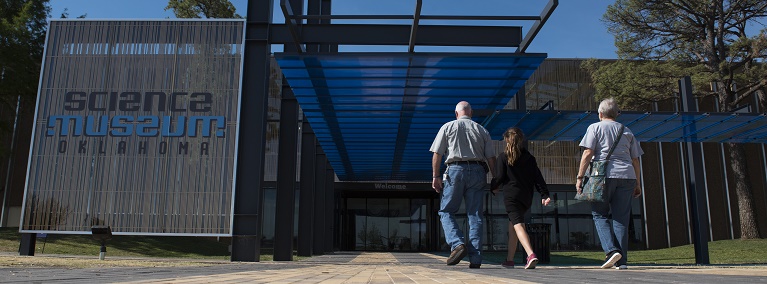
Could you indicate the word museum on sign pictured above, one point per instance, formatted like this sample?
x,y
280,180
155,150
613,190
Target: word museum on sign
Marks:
x,y
123,125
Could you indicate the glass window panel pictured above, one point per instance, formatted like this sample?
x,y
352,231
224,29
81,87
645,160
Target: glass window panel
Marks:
x,y
399,237
580,233
269,211
497,237
356,209
418,224
377,225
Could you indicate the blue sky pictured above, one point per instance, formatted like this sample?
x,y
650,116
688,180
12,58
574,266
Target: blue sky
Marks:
x,y
573,31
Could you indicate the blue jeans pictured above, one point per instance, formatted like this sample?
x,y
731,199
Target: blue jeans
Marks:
x,y
463,181
614,237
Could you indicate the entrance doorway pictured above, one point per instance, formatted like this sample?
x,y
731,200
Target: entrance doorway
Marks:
x,y
379,223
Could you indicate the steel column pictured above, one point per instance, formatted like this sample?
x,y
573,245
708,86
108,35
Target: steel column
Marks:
x,y
325,6
538,25
27,244
330,208
248,201
306,204
286,165
520,99
695,178
286,176
293,26
414,28
318,246
313,8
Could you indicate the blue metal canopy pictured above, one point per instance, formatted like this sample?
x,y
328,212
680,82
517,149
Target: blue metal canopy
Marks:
x,y
646,126
375,114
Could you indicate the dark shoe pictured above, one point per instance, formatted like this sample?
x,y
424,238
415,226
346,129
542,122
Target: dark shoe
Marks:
x,y
456,255
474,265
611,259
532,260
508,264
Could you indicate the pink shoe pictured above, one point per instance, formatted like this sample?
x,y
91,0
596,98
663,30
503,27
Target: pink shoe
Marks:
x,y
508,264
532,260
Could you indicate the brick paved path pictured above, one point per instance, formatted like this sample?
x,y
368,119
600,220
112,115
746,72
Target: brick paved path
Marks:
x,y
369,267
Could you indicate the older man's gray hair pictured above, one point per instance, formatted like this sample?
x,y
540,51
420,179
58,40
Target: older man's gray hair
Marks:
x,y
608,108
463,105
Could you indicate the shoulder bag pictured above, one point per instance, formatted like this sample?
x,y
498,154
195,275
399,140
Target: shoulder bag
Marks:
x,y
593,185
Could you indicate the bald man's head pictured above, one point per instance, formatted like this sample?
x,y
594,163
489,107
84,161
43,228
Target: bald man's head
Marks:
x,y
462,108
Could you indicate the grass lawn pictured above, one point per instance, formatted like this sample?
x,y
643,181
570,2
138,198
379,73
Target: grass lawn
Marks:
x,y
720,252
723,252
137,246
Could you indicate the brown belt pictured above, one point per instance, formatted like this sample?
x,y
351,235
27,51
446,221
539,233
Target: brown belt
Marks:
x,y
466,163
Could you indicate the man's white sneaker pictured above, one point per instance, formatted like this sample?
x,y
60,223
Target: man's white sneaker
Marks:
x,y
611,260
622,267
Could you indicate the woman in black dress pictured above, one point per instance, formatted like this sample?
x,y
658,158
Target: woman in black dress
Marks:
x,y
518,175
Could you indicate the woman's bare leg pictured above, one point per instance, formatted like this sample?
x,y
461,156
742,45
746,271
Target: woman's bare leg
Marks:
x,y
524,239
512,244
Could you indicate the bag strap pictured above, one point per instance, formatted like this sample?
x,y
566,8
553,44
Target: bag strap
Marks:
x,y
617,139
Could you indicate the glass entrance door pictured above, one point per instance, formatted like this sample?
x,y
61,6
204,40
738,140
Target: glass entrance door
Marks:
x,y
386,224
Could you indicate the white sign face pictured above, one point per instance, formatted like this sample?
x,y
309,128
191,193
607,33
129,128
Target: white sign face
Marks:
x,y
136,128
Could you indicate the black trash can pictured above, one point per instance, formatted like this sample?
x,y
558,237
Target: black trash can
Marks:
x,y
540,239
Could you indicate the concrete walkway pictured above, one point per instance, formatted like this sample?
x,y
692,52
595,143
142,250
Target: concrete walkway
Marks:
x,y
372,267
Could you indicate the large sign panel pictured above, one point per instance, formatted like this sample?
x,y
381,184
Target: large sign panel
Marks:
x,y
136,128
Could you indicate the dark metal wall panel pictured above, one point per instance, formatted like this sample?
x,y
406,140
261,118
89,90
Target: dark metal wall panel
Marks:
x,y
717,195
137,167
756,174
763,202
675,195
655,209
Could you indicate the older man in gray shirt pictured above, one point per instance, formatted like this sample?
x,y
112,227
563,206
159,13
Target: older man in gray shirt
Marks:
x,y
470,152
623,182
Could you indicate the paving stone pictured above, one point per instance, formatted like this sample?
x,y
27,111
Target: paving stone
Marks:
x,y
376,267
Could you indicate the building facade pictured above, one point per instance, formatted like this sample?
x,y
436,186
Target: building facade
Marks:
x,y
396,215
400,215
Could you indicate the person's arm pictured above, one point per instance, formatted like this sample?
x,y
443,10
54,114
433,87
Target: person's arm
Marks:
x,y
584,165
540,184
637,171
436,180
491,165
494,166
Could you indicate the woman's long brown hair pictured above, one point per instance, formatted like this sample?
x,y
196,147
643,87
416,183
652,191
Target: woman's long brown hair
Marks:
x,y
514,138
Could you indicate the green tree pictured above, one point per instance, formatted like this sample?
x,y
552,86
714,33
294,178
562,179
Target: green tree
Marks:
x,y
222,9
713,41
22,36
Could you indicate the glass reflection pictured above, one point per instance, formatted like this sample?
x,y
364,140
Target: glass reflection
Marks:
x,y
387,224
